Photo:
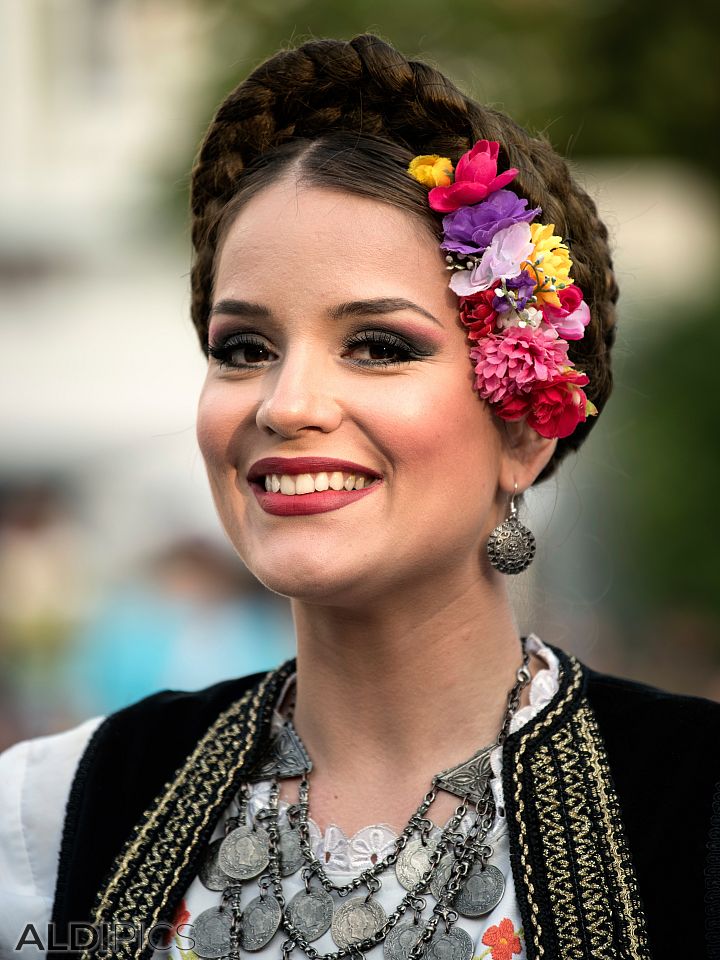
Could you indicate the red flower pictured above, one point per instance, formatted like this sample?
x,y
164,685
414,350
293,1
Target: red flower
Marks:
x,y
559,406
476,177
502,940
476,312
513,407
553,408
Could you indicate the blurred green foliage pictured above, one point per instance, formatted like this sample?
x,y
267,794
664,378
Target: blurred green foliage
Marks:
x,y
665,518
601,77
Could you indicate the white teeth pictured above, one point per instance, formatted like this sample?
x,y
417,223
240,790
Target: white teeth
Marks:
x,y
287,485
293,484
304,483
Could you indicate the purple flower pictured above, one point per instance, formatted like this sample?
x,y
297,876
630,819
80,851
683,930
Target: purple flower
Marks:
x,y
521,288
471,229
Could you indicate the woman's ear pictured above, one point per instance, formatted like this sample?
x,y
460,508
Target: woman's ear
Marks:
x,y
525,453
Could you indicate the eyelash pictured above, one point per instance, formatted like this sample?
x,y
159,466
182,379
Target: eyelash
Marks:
x,y
222,352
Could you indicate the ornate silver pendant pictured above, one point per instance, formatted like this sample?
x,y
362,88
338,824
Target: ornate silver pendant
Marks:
x,y
244,852
285,757
211,933
311,912
400,941
482,891
414,861
260,922
355,920
456,944
468,779
511,546
210,873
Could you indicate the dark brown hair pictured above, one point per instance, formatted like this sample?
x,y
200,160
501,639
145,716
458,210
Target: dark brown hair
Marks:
x,y
331,110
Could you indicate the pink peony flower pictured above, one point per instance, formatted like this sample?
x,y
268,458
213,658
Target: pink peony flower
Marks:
x,y
572,316
513,362
476,177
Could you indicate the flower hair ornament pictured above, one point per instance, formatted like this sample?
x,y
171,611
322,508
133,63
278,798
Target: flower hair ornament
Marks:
x,y
517,299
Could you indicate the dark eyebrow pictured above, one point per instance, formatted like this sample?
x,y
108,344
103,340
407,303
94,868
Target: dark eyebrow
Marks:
x,y
354,308
379,305
240,308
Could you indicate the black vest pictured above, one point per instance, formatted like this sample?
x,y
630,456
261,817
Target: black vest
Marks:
x,y
612,800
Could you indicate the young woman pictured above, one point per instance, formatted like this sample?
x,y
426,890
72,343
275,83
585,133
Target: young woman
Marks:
x,y
407,306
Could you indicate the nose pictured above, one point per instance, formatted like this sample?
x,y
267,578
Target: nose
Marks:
x,y
299,394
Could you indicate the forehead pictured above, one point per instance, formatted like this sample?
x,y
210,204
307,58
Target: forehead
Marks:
x,y
325,237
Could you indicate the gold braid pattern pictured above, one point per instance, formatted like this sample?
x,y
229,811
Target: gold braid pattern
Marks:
x,y
576,871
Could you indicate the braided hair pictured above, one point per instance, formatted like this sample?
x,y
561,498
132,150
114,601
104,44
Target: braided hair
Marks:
x,y
330,110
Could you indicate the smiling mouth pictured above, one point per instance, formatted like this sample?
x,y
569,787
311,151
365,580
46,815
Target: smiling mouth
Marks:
x,y
292,485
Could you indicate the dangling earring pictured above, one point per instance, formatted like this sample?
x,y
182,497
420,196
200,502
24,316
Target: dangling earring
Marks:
x,y
511,546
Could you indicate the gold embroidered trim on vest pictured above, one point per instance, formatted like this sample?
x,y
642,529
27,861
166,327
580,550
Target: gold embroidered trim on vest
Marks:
x,y
150,864
576,868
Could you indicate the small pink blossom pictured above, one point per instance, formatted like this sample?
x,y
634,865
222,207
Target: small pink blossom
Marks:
x,y
511,363
502,260
572,316
476,177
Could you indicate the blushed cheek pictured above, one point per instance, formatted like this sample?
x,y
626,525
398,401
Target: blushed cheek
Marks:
x,y
213,430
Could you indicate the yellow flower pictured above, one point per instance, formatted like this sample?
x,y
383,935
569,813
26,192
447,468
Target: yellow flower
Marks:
x,y
432,170
555,264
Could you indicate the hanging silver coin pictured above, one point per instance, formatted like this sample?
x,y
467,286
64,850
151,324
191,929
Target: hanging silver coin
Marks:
x,y
355,920
400,941
260,922
291,855
441,875
456,944
211,933
244,852
210,873
481,892
414,861
311,913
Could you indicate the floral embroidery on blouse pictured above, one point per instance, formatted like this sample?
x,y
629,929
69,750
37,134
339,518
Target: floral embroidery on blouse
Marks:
x,y
181,919
503,940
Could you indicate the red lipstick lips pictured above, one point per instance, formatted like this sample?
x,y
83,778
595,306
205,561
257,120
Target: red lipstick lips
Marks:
x,y
301,504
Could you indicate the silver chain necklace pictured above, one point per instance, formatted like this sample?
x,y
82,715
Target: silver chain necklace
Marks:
x,y
453,867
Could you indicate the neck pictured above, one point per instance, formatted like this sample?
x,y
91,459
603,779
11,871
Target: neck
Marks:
x,y
393,693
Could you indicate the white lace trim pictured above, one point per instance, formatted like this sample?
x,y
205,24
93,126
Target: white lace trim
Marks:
x,y
342,854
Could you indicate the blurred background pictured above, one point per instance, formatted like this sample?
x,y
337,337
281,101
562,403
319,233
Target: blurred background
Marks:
x,y
115,577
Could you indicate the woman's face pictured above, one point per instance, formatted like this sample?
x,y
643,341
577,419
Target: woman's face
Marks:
x,y
336,336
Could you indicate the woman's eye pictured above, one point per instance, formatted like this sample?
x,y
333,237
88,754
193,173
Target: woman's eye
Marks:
x,y
241,351
379,348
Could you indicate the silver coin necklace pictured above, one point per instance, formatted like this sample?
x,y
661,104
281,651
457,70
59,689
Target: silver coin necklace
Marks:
x,y
453,867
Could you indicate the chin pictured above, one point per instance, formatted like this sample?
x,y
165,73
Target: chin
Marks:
x,y
301,567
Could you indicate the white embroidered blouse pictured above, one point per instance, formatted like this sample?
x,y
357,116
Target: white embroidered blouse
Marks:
x,y
35,780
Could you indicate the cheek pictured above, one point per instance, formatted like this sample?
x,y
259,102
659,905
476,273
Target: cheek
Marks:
x,y
216,423
444,434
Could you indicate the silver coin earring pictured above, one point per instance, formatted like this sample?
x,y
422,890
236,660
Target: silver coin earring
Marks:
x,y
511,546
